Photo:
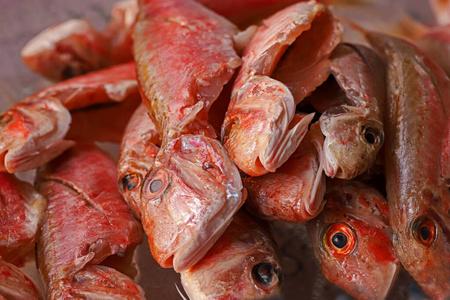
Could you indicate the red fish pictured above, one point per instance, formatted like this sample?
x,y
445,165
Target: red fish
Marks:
x,y
352,240
21,211
14,284
258,130
193,190
417,162
243,264
86,222
294,192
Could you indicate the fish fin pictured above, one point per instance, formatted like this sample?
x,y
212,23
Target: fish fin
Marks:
x,y
179,292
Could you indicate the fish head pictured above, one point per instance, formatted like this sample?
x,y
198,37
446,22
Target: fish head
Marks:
x,y
352,240
422,242
243,264
188,199
352,141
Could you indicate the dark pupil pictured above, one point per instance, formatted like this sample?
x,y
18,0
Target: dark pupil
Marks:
x,y
370,138
128,182
425,233
339,240
263,273
156,185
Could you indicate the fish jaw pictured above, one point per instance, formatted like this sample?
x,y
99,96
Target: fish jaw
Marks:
x,y
228,269
31,134
201,191
99,282
348,152
368,270
429,263
258,131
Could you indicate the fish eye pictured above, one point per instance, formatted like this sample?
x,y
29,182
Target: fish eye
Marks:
x,y
339,239
371,135
266,275
129,182
156,183
424,231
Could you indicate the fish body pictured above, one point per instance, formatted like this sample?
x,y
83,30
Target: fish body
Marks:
x,y
352,240
417,156
22,208
192,191
32,131
354,130
243,264
15,284
86,220
258,130
294,192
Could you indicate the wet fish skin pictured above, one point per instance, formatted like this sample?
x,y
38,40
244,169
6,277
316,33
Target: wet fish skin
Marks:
x,y
15,284
243,264
258,130
22,209
364,265
417,156
81,183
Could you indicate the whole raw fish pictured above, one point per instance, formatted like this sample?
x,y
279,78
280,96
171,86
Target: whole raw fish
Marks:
x,y
353,128
15,284
32,131
21,211
193,189
352,240
294,192
243,264
86,222
417,162
258,130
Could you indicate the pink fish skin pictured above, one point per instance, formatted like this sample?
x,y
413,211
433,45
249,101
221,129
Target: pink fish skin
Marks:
x,y
294,192
352,240
14,284
191,193
32,131
86,221
258,130
21,211
178,87
243,264
417,155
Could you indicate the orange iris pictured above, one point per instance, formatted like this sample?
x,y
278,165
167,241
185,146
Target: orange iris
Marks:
x,y
425,231
339,239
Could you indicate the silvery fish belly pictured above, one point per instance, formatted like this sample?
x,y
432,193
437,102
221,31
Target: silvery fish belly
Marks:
x,y
243,264
86,222
417,162
352,240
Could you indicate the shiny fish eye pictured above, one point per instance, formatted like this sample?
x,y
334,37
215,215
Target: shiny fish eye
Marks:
x,y
339,239
156,183
266,275
129,182
371,136
424,231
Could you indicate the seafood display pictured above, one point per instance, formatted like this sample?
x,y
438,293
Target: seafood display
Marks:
x,y
227,150
352,240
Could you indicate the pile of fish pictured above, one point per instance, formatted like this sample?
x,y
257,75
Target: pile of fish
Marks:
x,y
231,115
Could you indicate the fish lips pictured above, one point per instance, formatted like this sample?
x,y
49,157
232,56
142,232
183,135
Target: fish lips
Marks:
x,y
189,199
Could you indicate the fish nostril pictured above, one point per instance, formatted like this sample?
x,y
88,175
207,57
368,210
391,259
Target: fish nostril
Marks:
x,y
264,274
